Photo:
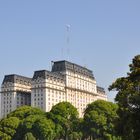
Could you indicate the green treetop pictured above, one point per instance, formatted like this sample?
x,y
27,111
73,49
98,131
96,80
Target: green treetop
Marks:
x,y
128,100
99,120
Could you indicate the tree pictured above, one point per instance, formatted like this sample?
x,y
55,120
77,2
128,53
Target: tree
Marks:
x,y
33,124
19,122
25,111
4,136
76,133
99,120
64,115
26,125
29,136
8,127
44,129
128,100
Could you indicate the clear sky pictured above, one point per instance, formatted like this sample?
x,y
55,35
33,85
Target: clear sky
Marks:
x,y
104,36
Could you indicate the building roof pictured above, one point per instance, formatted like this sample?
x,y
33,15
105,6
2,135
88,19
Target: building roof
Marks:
x,y
57,68
14,78
100,90
64,65
45,73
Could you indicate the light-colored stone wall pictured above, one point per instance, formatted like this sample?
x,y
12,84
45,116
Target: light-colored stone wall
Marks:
x,y
77,89
11,98
47,92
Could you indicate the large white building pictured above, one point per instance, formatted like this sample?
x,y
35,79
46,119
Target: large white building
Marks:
x,y
65,82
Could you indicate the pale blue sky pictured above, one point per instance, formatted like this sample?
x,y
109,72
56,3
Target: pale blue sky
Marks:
x,y
104,35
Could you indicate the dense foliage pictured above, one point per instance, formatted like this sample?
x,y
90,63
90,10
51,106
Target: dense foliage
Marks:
x,y
128,100
62,122
99,120
66,116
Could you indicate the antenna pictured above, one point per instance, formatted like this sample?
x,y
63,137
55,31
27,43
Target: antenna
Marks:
x,y
68,39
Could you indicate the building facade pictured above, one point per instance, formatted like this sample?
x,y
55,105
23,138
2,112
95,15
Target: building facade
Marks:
x,y
15,92
65,82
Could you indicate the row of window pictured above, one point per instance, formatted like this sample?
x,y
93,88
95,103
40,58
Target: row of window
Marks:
x,y
23,82
50,80
54,80
19,103
7,98
7,89
6,111
7,102
38,94
35,99
85,78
